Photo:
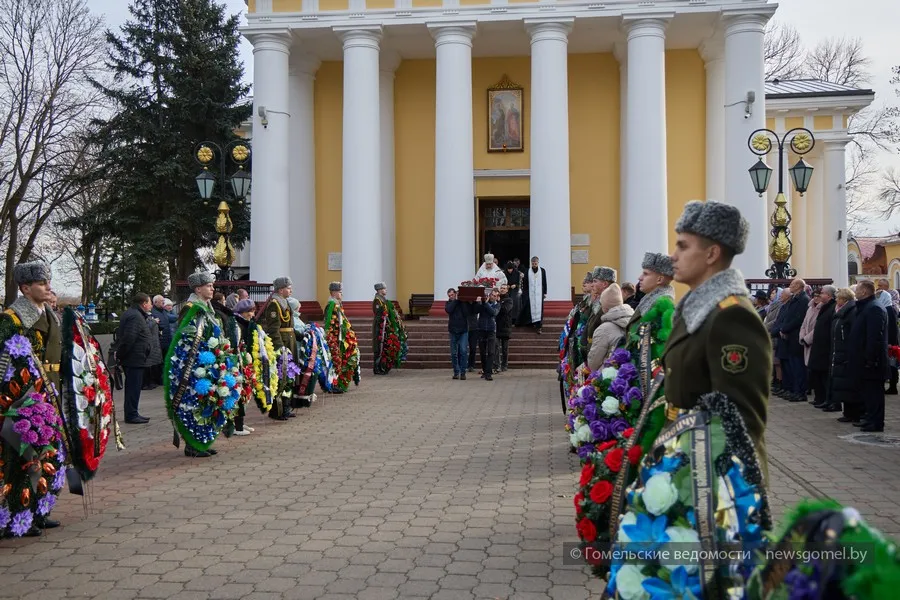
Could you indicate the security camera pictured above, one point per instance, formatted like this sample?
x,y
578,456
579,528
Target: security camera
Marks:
x,y
746,115
264,121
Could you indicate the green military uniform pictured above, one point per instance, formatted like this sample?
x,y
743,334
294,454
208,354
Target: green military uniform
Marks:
x,y
278,322
719,343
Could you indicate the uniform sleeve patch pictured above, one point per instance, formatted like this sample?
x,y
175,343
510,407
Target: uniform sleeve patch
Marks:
x,y
273,315
728,302
734,358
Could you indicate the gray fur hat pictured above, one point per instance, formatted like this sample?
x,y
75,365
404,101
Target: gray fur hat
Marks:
x,y
282,282
29,272
658,263
604,274
244,305
589,277
195,280
380,286
719,222
335,286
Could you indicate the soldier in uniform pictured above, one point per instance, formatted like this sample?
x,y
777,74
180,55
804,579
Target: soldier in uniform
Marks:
x,y
655,281
603,278
277,321
718,342
30,315
386,329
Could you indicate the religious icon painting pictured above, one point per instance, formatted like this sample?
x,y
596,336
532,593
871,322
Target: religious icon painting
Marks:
x,y
505,117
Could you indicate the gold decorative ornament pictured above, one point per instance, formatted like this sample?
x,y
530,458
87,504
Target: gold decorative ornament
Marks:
x,y
801,142
223,221
205,155
780,218
780,248
761,142
240,153
505,83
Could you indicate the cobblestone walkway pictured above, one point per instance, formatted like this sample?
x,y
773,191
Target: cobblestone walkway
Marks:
x,y
411,486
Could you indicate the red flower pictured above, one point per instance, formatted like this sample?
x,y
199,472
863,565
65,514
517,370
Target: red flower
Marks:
x,y
601,491
90,393
606,445
593,556
614,459
587,473
627,433
579,498
634,455
586,530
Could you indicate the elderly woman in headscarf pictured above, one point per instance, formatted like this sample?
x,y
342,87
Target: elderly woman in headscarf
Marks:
x,y
769,321
884,300
809,324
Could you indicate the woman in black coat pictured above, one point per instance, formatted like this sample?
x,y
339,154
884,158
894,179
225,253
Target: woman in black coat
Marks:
x,y
893,334
819,363
841,382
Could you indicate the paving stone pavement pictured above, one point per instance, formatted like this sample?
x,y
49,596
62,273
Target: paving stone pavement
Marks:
x,y
410,486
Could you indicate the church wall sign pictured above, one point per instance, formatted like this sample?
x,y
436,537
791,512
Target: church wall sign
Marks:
x,y
505,117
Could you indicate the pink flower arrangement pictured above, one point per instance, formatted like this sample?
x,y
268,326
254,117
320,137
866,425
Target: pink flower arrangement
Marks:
x,y
36,421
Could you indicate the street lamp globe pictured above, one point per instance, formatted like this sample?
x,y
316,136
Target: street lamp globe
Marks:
x,y
760,173
240,184
801,173
205,183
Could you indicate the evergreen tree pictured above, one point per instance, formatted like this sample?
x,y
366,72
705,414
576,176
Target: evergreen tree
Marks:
x,y
177,82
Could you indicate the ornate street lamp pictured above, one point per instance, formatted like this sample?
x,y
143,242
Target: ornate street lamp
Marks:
x,y
239,153
761,143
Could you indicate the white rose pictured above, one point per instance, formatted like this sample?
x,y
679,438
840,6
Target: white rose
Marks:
x,y
679,537
610,406
224,391
659,494
609,373
629,519
212,342
628,583
583,434
89,379
200,373
573,439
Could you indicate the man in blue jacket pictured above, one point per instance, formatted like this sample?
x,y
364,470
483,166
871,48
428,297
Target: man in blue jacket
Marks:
x,y
487,328
790,352
458,326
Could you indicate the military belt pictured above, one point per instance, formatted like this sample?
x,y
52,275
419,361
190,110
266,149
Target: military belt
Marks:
x,y
52,367
286,329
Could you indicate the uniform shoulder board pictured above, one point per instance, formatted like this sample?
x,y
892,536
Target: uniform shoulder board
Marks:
x,y
729,302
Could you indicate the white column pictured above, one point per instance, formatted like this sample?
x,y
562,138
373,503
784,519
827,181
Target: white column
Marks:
x,y
550,216
454,184
621,53
269,229
835,230
713,53
361,174
302,173
815,219
645,224
389,63
744,72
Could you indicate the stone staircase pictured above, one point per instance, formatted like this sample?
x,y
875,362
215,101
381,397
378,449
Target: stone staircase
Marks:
x,y
429,344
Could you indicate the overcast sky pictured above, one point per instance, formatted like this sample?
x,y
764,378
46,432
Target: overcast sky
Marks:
x,y
875,21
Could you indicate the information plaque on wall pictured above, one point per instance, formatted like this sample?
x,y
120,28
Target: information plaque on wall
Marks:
x,y
579,257
335,261
581,239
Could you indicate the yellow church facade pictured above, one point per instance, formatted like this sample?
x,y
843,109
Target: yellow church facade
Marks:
x,y
399,140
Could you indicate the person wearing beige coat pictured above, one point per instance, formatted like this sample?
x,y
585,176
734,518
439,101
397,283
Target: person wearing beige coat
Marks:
x,y
616,316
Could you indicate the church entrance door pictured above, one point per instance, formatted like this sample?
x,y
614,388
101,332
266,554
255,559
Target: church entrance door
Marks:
x,y
504,229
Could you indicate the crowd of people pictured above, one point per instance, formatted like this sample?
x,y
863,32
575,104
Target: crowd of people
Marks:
x,y
216,357
839,346
506,299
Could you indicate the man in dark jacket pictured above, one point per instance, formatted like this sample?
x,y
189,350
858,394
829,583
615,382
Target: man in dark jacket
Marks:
x,y
164,318
868,358
787,328
472,320
820,351
504,329
842,391
132,350
487,328
514,281
458,326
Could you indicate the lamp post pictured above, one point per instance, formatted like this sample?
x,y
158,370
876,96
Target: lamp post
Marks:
x,y
239,153
761,143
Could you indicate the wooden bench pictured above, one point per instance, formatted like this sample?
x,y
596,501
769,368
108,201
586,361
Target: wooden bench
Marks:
x,y
420,305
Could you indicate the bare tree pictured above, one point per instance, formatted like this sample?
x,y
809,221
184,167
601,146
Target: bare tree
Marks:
x,y
838,60
783,52
49,51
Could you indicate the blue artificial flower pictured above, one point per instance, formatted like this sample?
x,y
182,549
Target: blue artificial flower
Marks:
x,y
206,358
620,356
803,586
207,411
229,380
692,518
18,346
229,403
202,387
669,464
746,500
628,371
217,331
681,587
646,534
590,412
228,363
